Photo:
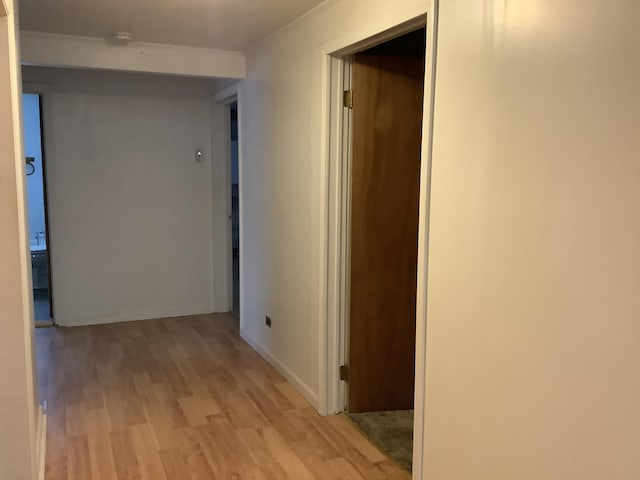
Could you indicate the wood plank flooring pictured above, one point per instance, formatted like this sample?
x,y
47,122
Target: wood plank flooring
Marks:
x,y
185,398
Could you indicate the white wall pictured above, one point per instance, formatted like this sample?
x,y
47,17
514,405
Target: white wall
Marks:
x,y
130,210
18,406
280,181
533,324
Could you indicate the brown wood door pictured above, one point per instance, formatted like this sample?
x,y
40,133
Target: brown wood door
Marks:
x,y
387,131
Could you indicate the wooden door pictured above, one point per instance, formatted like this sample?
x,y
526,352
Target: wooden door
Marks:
x,y
386,145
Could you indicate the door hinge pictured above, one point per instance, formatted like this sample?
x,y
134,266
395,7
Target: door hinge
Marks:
x,y
348,99
344,373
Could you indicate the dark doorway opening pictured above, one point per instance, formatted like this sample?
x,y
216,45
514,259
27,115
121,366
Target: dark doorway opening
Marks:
x,y
37,207
235,210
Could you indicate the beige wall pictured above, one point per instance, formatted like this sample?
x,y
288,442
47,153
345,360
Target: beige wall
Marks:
x,y
533,259
280,178
533,323
130,211
533,279
17,387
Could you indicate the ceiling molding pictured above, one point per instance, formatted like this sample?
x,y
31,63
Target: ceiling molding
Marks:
x,y
51,50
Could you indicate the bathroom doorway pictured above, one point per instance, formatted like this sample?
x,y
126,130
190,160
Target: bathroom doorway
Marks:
x,y
386,143
235,210
37,208
377,97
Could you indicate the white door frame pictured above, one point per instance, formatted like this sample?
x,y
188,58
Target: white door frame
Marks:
x,y
221,185
22,448
335,210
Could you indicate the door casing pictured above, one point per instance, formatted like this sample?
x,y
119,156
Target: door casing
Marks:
x,y
335,155
221,172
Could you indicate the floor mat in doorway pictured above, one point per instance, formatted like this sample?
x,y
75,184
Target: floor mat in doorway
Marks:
x,y
392,431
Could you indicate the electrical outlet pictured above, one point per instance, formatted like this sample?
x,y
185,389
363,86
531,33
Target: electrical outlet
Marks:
x,y
268,321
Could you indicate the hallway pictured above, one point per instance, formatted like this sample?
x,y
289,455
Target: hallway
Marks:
x,y
185,398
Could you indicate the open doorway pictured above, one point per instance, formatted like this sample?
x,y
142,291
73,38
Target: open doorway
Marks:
x,y
385,135
235,210
37,208
225,170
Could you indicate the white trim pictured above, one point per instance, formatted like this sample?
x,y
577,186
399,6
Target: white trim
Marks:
x,y
41,441
221,166
221,188
326,401
18,457
291,377
334,258
145,315
239,101
370,35
52,50
420,401
343,232
373,34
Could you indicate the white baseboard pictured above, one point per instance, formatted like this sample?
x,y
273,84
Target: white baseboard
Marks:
x,y
134,316
41,441
291,377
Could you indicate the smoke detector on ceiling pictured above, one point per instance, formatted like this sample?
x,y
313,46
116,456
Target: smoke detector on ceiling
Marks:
x,y
122,37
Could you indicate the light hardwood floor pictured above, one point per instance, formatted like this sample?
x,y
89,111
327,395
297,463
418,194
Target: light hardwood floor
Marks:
x,y
185,398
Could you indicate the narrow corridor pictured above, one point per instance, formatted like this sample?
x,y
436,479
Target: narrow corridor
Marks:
x,y
185,398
